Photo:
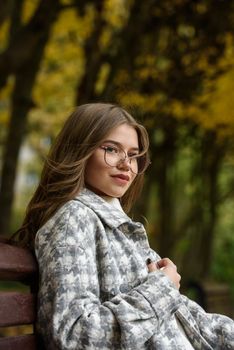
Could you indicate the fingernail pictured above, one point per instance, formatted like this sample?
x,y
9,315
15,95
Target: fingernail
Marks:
x,y
148,261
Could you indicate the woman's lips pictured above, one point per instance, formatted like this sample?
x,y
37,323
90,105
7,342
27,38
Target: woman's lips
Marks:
x,y
121,178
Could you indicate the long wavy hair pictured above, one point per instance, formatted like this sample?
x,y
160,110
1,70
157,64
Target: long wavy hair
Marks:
x,y
63,177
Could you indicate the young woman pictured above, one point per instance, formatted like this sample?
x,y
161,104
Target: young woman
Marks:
x,y
101,286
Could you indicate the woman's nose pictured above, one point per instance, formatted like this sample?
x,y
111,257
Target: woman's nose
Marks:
x,y
124,163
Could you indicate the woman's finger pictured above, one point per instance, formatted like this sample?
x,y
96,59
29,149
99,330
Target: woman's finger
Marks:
x,y
151,265
165,262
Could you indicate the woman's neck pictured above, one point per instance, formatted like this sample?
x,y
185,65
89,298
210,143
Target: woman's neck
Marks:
x,y
113,201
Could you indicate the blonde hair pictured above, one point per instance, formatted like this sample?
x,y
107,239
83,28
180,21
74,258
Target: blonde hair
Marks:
x,y
62,177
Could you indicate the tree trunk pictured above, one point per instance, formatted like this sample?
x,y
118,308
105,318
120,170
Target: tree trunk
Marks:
x,y
164,160
25,41
6,9
21,104
212,158
86,88
198,258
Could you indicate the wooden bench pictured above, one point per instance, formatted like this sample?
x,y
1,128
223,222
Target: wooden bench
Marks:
x,y
214,297
17,307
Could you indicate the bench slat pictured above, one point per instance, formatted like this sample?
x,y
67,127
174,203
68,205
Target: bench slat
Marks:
x,y
25,342
16,263
17,308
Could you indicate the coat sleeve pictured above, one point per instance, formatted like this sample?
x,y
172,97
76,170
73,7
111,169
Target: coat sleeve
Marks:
x,y
70,302
217,329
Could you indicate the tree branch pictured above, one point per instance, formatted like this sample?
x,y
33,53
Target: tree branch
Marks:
x,y
25,40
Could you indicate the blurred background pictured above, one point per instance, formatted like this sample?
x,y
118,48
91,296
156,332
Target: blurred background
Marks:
x,y
171,64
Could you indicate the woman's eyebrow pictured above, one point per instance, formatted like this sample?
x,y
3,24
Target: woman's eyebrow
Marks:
x,y
120,145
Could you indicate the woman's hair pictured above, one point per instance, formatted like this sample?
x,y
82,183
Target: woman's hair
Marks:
x,y
62,177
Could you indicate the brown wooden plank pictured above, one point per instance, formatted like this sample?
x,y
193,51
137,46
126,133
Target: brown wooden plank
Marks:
x,y
17,308
4,239
16,263
22,342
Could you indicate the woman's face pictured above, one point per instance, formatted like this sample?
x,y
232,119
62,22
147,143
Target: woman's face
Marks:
x,y
113,179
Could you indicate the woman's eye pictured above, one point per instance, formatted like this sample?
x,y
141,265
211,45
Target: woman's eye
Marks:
x,y
111,149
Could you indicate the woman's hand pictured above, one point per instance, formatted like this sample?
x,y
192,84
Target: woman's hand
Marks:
x,y
167,267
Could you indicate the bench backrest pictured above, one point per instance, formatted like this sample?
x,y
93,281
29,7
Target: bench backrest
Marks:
x,y
16,307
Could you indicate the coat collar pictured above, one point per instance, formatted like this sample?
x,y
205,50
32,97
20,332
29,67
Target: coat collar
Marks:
x,y
109,214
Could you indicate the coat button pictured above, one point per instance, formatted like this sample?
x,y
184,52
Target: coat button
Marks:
x,y
123,288
113,292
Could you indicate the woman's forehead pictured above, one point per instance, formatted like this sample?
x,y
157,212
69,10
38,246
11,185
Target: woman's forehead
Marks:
x,y
125,135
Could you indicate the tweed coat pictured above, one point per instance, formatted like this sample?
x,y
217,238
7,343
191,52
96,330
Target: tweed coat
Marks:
x,y
96,293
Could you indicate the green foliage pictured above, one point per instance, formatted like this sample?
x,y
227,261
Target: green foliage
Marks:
x,y
223,256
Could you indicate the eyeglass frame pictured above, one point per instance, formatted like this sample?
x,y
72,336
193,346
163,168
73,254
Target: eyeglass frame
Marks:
x,y
126,156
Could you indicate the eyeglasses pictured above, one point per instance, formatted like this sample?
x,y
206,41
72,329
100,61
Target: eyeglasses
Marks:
x,y
114,155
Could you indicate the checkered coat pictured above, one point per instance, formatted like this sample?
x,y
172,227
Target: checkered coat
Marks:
x,y
96,292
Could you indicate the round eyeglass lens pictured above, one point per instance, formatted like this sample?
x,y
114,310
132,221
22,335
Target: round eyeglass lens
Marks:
x,y
137,164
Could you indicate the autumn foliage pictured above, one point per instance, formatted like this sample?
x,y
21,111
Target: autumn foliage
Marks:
x,y
171,63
